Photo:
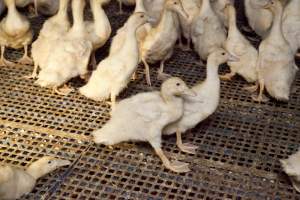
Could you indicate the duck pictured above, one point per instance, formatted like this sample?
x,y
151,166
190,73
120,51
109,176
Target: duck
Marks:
x,y
291,25
149,113
208,33
70,56
191,7
237,45
15,182
114,72
161,39
119,39
125,2
199,107
98,30
291,167
219,8
276,65
259,19
15,32
53,29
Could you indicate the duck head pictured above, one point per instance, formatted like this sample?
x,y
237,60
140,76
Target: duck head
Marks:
x,y
139,18
45,165
220,56
273,5
176,6
176,87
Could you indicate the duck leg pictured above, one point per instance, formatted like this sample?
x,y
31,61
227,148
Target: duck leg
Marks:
x,y
93,60
3,61
161,75
261,97
227,77
25,60
113,98
65,90
34,73
147,72
120,7
175,166
134,76
187,148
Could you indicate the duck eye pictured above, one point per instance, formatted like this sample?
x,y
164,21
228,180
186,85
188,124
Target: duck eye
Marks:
x,y
223,54
49,162
142,16
177,84
175,3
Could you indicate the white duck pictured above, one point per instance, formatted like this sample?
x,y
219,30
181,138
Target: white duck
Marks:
x,y
219,8
15,182
291,24
15,32
70,56
98,30
53,29
208,33
160,41
237,45
119,39
114,73
148,114
201,106
291,166
125,2
259,19
276,65
191,7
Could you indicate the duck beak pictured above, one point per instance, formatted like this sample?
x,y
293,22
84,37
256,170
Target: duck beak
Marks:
x,y
190,93
151,20
267,5
62,163
183,13
233,58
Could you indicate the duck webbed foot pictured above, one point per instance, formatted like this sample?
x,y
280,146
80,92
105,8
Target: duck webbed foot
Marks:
x,y
175,166
163,76
251,88
25,60
5,62
65,90
260,98
33,75
185,147
227,77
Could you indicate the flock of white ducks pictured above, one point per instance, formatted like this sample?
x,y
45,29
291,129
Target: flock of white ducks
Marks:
x,y
63,51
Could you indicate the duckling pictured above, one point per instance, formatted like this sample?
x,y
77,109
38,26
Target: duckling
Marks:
x,y
206,101
219,8
100,29
15,182
70,56
276,65
259,19
236,44
291,24
15,32
208,33
161,39
125,2
148,113
119,39
191,7
291,166
53,29
114,72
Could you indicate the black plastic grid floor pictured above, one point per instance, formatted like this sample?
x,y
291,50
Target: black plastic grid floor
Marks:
x,y
237,158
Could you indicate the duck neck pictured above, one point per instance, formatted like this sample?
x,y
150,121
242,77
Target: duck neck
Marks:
x,y
232,20
78,10
205,6
212,70
63,8
167,20
11,7
131,44
100,18
276,30
139,6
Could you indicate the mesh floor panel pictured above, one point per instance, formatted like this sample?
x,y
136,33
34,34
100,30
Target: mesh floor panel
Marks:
x,y
239,145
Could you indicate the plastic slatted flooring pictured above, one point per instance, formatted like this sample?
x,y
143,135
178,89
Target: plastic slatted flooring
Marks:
x,y
239,145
